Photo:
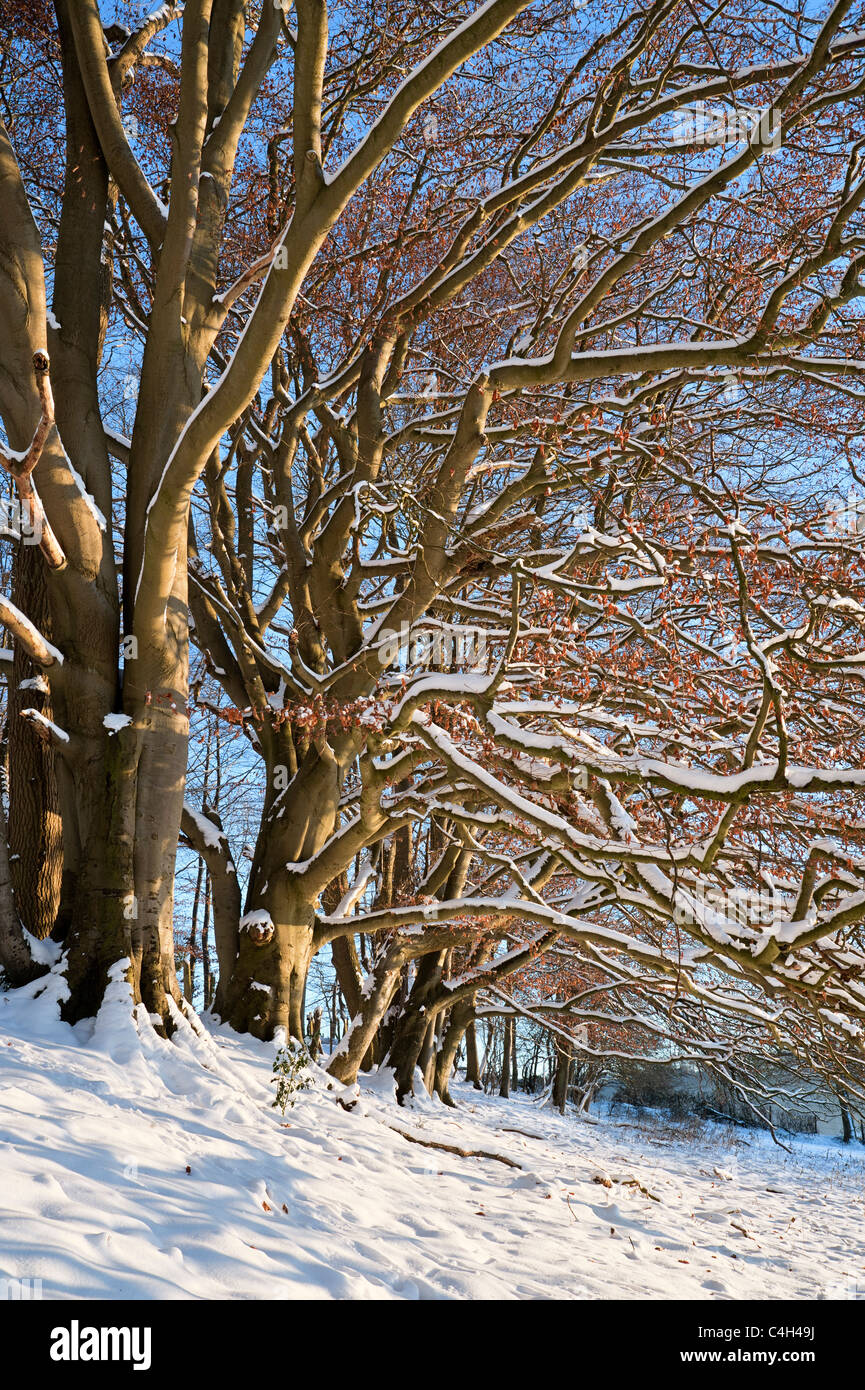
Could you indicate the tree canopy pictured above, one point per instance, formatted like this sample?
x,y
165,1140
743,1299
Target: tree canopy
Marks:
x,y
452,413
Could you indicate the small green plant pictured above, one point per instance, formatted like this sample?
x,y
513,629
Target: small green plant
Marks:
x,y
290,1072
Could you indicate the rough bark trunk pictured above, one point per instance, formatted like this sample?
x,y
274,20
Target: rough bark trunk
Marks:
x,y
35,831
16,961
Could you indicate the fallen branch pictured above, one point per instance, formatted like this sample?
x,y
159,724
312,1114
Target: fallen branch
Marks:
x,y
453,1149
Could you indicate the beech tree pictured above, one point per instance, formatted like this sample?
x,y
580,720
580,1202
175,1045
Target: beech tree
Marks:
x,y
495,374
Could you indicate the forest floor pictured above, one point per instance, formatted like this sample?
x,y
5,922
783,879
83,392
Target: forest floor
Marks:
x,y
131,1167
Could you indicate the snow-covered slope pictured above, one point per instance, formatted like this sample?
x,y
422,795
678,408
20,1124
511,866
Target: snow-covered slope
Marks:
x,y
135,1168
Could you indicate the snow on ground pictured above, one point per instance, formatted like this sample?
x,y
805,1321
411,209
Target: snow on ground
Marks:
x,y
135,1168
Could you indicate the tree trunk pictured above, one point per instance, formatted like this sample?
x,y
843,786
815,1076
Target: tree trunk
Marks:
x,y
473,1073
460,1025
505,1083
314,1032
267,987
426,1056
221,895
412,1027
347,1057
16,961
268,983
347,967
35,831
564,1058
125,899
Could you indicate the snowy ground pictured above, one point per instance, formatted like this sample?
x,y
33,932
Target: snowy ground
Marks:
x,y
135,1168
